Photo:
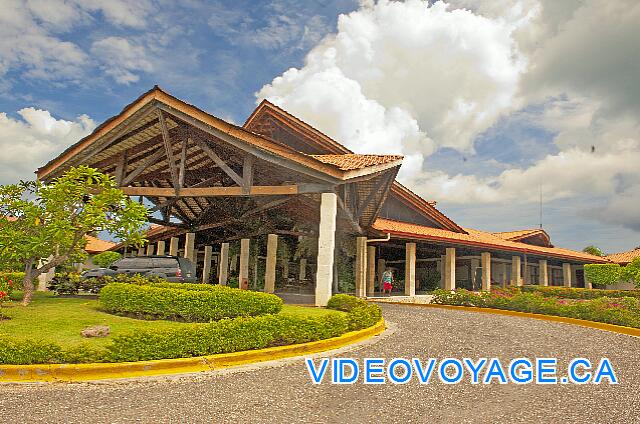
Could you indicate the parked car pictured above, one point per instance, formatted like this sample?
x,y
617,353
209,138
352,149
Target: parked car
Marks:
x,y
170,268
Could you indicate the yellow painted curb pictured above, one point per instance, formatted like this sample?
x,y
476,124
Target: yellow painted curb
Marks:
x,y
101,371
630,331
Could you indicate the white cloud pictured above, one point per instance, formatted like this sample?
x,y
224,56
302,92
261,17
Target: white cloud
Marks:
x,y
121,59
32,140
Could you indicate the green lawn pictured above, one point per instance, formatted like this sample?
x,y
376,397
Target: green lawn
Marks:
x,y
61,320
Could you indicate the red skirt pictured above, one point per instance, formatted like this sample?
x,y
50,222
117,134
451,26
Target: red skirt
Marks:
x,y
386,286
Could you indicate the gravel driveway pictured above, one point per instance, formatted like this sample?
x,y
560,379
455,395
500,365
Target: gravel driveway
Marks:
x,y
284,393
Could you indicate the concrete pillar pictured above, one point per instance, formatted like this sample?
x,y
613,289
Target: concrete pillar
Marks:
x,y
270,267
410,269
189,244
234,263
475,264
326,247
450,269
371,270
382,266
361,266
141,251
160,248
503,274
516,271
485,258
544,272
243,275
223,271
302,269
566,274
441,270
526,277
173,246
206,268
150,249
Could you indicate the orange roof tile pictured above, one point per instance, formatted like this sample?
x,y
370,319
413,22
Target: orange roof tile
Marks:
x,y
624,258
509,235
96,245
352,161
477,238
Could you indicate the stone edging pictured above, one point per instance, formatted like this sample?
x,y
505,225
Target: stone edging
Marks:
x,y
101,371
630,331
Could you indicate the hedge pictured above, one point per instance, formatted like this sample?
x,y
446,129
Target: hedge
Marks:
x,y
224,336
601,275
17,277
578,293
619,311
187,302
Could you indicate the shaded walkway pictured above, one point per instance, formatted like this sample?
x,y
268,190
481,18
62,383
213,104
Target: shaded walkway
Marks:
x,y
285,394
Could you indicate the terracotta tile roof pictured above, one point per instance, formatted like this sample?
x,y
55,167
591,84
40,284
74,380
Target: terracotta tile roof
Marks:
x,y
96,245
624,258
477,238
510,235
352,161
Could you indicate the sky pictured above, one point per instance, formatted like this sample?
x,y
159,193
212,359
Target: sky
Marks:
x,y
494,104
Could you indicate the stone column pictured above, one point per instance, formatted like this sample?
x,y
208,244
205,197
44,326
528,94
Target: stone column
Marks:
x,y
371,270
410,269
189,244
361,266
382,266
503,274
173,246
302,269
485,258
270,266
160,248
441,270
474,265
243,275
150,249
450,269
516,271
141,251
326,247
544,272
566,274
223,271
206,269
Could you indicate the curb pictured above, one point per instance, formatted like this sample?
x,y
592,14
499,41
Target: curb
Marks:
x,y
100,371
629,331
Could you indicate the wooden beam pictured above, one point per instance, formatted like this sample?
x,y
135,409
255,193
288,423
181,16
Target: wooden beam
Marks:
x,y
210,191
144,165
261,208
121,167
372,194
165,223
222,164
183,160
169,150
247,173
354,223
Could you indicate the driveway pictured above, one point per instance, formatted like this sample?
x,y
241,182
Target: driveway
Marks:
x,y
284,393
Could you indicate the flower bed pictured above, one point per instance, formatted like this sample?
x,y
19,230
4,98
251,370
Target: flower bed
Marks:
x,y
197,339
619,311
577,293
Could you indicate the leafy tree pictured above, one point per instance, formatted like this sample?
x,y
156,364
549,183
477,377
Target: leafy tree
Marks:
x,y
631,272
593,250
601,275
104,259
49,221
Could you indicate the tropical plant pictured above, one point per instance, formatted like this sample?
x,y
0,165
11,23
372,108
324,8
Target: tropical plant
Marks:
x,y
43,225
601,275
631,272
593,250
104,259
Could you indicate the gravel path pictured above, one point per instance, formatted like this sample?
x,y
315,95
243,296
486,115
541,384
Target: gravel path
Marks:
x,y
284,393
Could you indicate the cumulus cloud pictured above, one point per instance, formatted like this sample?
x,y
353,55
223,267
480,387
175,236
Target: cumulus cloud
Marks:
x,y
31,140
121,59
413,77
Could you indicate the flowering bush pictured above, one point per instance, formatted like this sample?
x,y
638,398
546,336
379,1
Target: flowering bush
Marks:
x,y
6,288
620,311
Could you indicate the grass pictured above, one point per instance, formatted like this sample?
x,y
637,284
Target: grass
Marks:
x,y
62,319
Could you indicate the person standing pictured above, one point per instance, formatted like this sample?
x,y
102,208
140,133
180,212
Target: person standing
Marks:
x,y
387,281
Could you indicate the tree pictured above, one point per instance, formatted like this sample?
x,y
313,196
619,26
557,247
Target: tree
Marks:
x,y
104,259
601,275
593,250
43,225
631,272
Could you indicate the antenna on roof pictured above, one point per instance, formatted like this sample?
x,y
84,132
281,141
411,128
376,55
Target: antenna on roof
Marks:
x,y
540,205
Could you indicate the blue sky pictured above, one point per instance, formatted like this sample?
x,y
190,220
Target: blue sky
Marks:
x,y
488,101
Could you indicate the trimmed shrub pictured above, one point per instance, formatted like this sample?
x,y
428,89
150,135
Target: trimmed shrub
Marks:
x,y
602,275
578,293
344,302
620,311
360,313
21,352
188,302
65,283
